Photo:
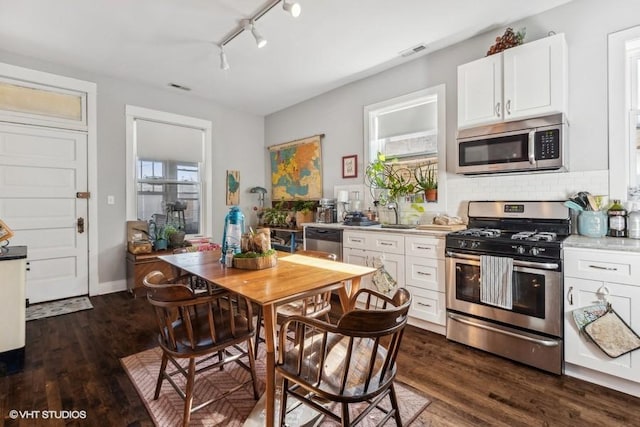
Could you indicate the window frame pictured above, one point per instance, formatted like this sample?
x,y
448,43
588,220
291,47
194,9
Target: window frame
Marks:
x,y
133,113
414,98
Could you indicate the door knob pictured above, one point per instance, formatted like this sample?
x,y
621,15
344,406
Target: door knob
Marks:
x,y
80,225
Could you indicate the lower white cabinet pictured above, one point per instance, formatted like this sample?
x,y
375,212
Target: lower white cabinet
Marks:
x,y
415,262
425,278
592,276
393,264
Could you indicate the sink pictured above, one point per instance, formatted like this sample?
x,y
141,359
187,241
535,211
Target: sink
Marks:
x,y
399,226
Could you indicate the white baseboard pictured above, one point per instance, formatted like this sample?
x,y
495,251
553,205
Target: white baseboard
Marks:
x,y
110,287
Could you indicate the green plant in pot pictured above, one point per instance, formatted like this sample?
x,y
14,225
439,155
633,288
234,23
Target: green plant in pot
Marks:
x,y
386,175
174,235
303,211
427,180
276,216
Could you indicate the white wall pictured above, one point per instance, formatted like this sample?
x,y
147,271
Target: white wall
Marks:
x,y
238,141
586,24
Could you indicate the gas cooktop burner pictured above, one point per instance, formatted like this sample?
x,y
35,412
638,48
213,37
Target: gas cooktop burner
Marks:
x,y
534,236
480,232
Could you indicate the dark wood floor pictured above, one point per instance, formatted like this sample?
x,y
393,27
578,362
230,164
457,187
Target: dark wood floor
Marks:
x,y
73,364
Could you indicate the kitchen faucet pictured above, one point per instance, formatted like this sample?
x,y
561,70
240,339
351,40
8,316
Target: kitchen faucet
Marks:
x,y
394,206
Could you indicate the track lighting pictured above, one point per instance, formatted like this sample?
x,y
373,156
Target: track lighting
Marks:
x,y
289,6
224,64
293,8
251,26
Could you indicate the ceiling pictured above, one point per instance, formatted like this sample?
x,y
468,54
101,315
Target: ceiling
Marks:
x,y
332,42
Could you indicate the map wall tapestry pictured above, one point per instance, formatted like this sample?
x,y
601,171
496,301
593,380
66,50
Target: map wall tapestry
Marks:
x,y
233,188
296,169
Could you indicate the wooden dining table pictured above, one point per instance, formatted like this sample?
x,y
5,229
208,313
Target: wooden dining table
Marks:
x,y
293,277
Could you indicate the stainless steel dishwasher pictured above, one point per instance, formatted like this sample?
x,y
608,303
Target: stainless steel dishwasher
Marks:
x,y
324,239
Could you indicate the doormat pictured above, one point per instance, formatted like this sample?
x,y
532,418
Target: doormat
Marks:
x,y
142,368
57,308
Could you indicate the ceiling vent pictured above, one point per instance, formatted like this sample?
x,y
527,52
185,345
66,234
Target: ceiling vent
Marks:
x,y
177,86
412,50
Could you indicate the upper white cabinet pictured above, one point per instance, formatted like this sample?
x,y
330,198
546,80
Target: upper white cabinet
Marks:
x,y
525,81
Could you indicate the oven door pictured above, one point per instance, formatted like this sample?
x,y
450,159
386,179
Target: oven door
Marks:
x,y
537,289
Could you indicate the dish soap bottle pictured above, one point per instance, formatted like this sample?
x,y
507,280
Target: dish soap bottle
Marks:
x,y
617,220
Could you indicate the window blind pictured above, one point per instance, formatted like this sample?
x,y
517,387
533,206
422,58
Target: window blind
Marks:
x,y
162,141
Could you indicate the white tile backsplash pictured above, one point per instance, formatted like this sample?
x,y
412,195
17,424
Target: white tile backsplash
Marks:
x,y
538,186
462,189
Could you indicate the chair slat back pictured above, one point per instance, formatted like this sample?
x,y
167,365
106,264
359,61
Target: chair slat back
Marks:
x,y
369,340
183,317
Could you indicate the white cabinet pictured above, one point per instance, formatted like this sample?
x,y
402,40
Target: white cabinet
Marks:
x,y
13,267
372,248
592,275
525,81
424,264
415,262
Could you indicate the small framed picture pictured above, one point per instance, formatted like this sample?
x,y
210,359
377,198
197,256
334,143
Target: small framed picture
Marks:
x,y
350,166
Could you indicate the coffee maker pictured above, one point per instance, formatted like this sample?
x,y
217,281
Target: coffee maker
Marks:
x,y
326,213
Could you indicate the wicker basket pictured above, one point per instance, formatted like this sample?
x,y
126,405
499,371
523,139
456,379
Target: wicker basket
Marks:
x,y
258,263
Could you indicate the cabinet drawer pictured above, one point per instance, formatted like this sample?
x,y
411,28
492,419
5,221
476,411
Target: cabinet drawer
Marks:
x,y
425,273
428,247
381,242
427,305
610,266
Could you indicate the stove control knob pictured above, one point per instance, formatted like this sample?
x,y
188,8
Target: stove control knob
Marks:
x,y
462,243
520,250
534,251
474,245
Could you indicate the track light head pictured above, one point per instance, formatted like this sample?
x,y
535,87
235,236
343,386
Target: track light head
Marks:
x,y
224,64
293,8
250,26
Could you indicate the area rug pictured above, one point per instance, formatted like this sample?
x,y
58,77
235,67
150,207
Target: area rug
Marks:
x,y
233,410
57,308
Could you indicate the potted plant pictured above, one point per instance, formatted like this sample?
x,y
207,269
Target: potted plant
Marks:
x,y
386,175
276,216
427,181
174,235
303,211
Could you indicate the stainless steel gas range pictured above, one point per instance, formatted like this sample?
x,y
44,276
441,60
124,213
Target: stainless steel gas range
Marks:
x,y
504,281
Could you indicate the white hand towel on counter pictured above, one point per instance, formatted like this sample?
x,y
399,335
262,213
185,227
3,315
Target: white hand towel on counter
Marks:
x,y
496,274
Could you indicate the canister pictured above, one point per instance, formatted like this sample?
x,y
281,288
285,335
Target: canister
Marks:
x,y
592,223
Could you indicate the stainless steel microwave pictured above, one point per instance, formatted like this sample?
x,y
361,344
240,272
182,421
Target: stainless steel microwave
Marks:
x,y
528,145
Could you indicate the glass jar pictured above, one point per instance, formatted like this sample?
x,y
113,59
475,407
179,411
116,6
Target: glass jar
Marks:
x,y
617,220
633,225
592,223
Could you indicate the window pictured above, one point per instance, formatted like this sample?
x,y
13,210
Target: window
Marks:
x,y
171,171
410,132
160,184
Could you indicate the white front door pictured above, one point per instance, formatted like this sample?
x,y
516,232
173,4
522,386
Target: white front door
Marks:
x,y
41,172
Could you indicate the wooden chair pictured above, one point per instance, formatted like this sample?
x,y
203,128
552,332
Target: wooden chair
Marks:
x,y
199,328
315,306
351,362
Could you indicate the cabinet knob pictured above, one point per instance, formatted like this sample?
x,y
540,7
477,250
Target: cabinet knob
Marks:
x,y
508,107
498,109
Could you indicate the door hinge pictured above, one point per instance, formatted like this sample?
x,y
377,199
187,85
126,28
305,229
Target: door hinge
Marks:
x,y
83,195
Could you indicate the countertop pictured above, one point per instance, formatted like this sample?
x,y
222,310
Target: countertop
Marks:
x,y
13,252
605,243
378,228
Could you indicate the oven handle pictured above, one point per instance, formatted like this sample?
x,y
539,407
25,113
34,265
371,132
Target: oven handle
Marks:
x,y
517,263
546,343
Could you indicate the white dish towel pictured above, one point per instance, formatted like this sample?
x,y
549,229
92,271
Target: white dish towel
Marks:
x,y
496,274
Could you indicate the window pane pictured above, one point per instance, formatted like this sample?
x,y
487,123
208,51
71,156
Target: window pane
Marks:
x,y
175,194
